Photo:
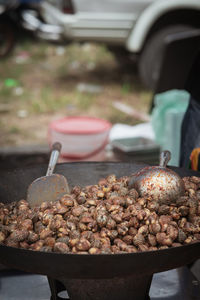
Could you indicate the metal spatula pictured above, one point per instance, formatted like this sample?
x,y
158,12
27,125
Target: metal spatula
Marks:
x,y
50,187
158,182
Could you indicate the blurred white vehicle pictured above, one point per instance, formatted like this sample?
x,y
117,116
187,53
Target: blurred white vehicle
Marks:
x,y
136,27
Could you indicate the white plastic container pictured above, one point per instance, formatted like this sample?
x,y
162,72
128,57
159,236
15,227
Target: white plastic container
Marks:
x,y
80,137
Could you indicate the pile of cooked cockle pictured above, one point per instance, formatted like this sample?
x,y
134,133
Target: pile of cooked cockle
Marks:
x,y
105,218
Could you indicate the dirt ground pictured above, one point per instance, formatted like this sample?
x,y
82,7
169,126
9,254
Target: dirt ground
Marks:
x,y
40,82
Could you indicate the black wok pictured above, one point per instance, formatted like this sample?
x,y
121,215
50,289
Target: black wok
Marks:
x,y
13,186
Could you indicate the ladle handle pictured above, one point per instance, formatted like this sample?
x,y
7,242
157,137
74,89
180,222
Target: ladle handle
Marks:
x,y
55,152
165,157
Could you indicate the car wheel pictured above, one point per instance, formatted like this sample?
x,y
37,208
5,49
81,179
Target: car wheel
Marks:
x,y
7,38
151,57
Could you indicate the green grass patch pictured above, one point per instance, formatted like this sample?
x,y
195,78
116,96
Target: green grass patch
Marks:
x,y
6,94
84,101
48,101
126,88
14,130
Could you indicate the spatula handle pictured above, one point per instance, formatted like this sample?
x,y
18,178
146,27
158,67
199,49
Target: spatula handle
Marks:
x,y
165,157
55,152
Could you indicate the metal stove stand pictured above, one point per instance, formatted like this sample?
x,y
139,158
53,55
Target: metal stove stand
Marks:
x,y
177,284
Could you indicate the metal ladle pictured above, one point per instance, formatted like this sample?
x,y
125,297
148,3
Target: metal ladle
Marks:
x,y
158,182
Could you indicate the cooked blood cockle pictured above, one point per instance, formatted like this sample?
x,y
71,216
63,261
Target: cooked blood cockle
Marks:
x,y
105,218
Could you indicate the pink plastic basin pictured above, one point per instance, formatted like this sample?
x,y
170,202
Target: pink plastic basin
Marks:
x,y
80,136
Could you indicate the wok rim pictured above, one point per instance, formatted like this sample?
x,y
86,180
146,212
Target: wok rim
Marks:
x,y
130,263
